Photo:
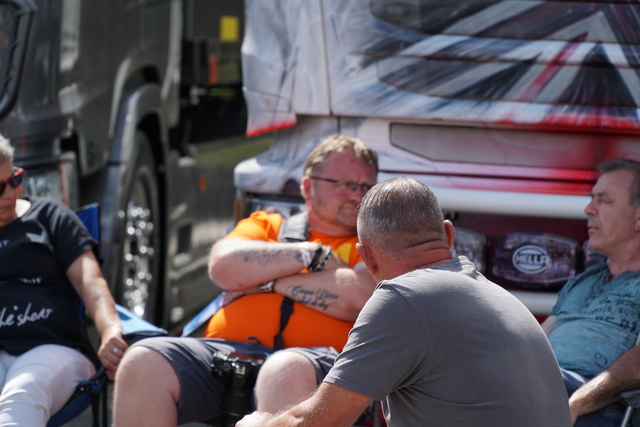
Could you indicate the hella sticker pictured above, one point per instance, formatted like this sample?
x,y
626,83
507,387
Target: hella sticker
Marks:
x,y
531,259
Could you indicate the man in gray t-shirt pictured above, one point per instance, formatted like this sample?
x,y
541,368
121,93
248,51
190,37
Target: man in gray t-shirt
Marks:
x,y
447,347
437,341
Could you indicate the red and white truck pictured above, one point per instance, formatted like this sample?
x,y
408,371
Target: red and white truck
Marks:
x,y
503,108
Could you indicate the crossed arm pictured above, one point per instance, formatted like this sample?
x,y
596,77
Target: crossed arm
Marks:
x,y
239,266
602,390
330,405
86,277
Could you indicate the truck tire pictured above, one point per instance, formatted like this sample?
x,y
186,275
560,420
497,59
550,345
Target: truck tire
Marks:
x,y
139,278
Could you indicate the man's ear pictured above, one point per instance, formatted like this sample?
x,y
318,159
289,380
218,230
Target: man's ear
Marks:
x,y
449,232
305,187
367,256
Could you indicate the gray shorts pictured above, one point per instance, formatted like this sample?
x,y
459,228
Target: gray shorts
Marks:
x,y
201,395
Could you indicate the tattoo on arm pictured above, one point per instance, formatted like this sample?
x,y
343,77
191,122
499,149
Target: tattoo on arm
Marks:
x,y
320,298
266,257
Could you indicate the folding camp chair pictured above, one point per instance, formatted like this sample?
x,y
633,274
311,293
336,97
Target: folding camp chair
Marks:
x,y
92,391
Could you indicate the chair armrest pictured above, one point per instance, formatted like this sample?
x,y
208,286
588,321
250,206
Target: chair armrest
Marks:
x,y
203,316
631,398
134,328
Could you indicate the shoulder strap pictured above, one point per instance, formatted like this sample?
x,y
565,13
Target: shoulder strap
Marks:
x,y
286,310
293,229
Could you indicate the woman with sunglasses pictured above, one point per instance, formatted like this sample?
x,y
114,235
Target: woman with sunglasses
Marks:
x,y
47,267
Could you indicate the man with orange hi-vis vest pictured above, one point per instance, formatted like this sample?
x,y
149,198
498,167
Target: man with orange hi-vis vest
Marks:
x,y
297,284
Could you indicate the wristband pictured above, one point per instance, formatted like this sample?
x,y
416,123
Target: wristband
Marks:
x,y
320,265
316,258
267,287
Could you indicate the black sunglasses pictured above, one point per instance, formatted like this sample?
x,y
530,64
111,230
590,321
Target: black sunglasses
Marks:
x,y
14,181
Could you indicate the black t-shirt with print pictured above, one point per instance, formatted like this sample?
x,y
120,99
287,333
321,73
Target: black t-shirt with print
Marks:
x,y
38,304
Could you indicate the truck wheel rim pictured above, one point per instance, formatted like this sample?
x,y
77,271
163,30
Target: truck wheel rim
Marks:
x,y
138,258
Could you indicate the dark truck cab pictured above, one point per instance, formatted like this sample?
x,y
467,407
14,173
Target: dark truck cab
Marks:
x,y
98,98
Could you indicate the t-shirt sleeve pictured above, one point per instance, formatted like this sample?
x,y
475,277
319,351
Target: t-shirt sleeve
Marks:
x,y
385,338
69,236
259,226
573,283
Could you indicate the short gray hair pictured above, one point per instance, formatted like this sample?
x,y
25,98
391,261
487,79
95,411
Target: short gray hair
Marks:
x,y
633,166
6,151
399,214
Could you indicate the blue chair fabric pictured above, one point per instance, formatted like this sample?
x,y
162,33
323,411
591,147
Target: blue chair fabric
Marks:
x,y
203,316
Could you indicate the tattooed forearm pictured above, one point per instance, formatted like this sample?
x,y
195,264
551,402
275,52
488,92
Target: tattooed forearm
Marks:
x,y
266,257
320,298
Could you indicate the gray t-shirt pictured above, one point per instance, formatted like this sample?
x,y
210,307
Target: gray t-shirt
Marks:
x,y
446,347
597,320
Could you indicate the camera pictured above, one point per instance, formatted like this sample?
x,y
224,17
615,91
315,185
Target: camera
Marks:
x,y
237,372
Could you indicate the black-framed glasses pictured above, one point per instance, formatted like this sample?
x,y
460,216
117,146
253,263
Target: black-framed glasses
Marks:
x,y
14,181
344,186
